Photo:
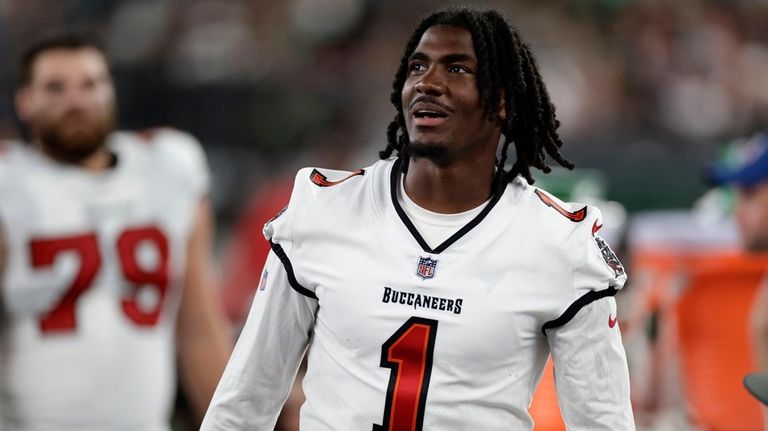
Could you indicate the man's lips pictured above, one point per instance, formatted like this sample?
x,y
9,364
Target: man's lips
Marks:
x,y
428,121
428,112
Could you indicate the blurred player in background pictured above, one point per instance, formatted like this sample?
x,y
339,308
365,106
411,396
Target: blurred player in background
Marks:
x,y
431,287
747,169
104,254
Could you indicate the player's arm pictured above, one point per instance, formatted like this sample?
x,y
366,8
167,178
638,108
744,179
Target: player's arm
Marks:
x,y
202,334
591,370
262,368
591,373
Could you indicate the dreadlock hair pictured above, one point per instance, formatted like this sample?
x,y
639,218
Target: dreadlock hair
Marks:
x,y
506,68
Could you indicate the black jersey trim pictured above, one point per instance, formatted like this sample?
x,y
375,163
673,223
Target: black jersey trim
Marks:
x,y
574,308
278,249
394,177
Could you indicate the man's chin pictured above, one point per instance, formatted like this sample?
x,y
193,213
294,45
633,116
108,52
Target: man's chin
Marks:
x,y
73,148
435,152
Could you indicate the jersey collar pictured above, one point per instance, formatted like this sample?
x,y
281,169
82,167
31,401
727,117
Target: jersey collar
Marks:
x,y
395,175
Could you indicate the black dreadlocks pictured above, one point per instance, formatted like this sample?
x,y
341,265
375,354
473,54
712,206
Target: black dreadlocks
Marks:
x,y
505,67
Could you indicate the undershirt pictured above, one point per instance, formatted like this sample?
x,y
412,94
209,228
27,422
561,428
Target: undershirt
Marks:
x,y
434,227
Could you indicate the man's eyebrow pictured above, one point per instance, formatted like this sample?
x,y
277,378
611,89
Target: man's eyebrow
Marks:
x,y
450,58
418,56
458,58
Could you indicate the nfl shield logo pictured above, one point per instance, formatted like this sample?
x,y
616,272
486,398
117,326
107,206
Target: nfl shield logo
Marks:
x,y
426,268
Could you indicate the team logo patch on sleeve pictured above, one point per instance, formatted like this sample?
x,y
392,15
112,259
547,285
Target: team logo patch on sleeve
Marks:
x,y
426,268
610,257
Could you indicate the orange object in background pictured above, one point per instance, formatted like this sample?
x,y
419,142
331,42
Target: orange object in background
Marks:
x,y
713,334
544,408
704,298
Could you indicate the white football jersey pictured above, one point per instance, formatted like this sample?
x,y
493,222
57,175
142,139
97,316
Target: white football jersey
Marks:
x,y
405,337
94,267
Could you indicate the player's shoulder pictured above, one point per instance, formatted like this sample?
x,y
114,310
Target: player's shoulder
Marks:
x,y
574,227
323,198
162,142
173,151
559,217
326,184
329,180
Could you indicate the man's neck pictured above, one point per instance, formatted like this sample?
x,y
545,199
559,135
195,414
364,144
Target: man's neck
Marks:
x,y
449,189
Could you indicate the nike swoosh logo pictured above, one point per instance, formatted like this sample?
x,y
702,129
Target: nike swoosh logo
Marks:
x,y
611,321
596,227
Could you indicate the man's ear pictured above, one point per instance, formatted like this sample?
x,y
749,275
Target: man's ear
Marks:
x,y
502,112
22,102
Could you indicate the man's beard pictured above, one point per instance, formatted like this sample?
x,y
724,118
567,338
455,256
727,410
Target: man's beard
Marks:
x,y
74,147
437,153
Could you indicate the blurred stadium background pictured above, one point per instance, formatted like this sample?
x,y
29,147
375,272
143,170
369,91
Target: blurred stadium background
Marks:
x,y
647,92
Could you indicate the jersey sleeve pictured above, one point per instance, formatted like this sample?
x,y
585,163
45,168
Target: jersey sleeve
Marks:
x,y
258,378
280,231
590,364
597,272
262,368
591,372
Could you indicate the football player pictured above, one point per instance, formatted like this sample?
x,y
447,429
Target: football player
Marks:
x,y
429,289
104,256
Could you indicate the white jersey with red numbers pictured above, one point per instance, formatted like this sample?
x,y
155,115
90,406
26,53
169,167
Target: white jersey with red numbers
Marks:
x,y
92,283
403,337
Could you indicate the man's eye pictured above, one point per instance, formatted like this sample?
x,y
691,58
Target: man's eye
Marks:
x,y
54,87
417,67
457,69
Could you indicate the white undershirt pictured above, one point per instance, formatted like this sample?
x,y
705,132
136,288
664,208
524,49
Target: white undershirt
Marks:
x,y
434,227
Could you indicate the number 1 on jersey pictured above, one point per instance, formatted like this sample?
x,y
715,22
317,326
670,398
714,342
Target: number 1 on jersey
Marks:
x,y
408,353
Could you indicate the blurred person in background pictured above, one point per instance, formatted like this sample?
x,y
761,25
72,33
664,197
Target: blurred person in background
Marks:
x,y
430,288
104,255
746,168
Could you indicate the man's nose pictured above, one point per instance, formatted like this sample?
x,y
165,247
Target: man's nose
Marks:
x,y
76,97
432,83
